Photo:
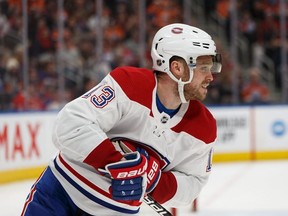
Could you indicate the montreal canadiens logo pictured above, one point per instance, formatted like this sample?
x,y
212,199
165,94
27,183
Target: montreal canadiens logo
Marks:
x,y
177,30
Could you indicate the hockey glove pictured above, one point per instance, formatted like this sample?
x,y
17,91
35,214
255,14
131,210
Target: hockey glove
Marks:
x,y
128,177
153,170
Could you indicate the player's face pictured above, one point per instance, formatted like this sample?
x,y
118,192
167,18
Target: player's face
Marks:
x,y
197,89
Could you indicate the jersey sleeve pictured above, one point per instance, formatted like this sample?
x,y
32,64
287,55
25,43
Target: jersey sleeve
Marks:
x,y
80,128
178,188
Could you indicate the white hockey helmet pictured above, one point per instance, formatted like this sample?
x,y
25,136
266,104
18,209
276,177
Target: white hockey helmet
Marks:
x,y
183,41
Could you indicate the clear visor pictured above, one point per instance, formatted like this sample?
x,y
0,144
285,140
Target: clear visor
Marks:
x,y
217,63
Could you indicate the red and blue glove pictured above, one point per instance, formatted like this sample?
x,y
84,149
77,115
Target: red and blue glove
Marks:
x,y
128,176
153,170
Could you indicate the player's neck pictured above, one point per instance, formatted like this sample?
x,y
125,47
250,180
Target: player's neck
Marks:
x,y
161,108
168,95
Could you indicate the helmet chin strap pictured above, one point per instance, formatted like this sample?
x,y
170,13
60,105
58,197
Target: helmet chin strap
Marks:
x,y
181,84
181,91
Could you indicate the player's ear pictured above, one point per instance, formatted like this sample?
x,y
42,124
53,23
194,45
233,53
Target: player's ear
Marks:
x,y
177,68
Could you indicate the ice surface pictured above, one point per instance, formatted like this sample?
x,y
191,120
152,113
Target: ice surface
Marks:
x,y
234,189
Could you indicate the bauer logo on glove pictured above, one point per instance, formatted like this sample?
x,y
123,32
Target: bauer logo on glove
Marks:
x,y
128,176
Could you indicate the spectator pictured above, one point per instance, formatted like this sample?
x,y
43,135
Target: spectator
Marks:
x,y
255,92
12,75
247,27
28,99
43,36
4,25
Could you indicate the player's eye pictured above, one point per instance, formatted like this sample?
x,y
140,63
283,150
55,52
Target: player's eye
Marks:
x,y
204,69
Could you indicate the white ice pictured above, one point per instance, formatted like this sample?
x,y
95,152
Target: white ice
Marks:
x,y
234,189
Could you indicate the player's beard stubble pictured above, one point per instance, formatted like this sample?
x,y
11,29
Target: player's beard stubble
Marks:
x,y
195,91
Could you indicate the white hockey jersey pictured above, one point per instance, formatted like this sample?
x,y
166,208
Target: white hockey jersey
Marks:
x,y
123,105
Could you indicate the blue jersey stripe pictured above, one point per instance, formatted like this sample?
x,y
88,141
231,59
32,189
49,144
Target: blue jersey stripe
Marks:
x,y
91,196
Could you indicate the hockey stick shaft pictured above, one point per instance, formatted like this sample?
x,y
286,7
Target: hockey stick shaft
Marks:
x,y
157,207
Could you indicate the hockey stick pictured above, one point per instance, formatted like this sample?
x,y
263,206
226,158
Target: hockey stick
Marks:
x,y
156,206
150,201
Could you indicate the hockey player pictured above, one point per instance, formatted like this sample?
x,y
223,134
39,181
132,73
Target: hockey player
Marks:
x,y
138,131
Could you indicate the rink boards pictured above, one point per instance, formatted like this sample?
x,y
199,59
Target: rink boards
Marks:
x,y
251,133
244,133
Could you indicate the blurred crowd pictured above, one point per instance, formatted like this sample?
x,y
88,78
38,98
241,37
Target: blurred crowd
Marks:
x,y
259,25
259,30
83,69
